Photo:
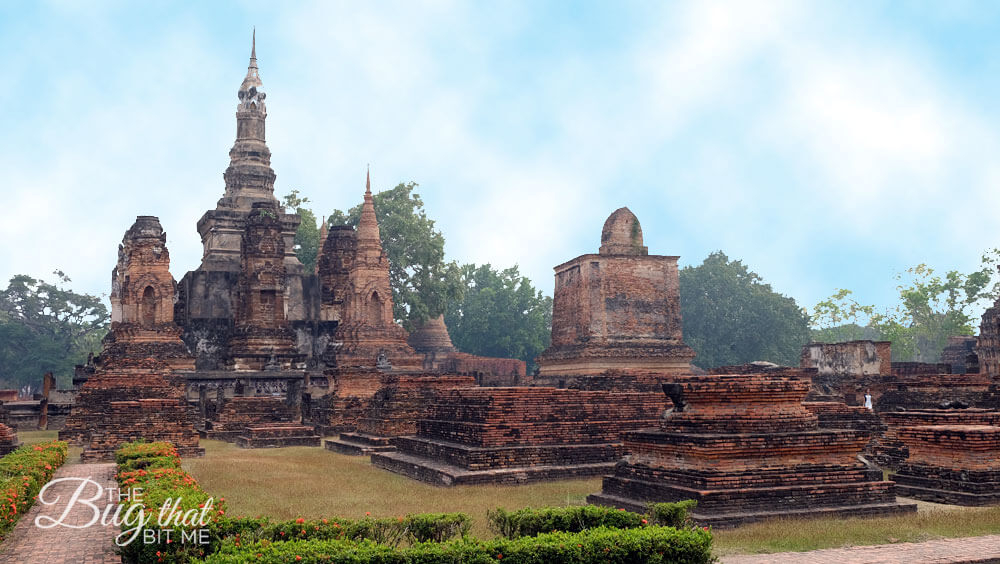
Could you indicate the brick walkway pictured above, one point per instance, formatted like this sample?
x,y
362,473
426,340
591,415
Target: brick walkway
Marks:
x,y
978,550
92,545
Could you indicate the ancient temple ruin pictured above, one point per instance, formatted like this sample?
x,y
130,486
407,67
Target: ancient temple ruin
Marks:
x,y
618,309
136,390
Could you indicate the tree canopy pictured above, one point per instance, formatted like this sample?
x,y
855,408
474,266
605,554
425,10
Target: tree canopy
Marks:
x,y
500,315
732,317
931,308
307,241
46,327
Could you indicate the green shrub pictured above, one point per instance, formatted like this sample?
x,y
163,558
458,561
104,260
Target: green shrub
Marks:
x,y
675,514
23,473
155,469
436,527
529,522
601,545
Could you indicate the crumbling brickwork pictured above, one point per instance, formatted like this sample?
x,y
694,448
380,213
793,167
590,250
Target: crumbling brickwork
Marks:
x,y
844,371
439,354
517,435
952,463
618,309
238,413
746,449
960,354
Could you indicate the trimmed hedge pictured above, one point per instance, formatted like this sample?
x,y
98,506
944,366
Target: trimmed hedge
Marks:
x,y
529,522
155,468
23,473
602,545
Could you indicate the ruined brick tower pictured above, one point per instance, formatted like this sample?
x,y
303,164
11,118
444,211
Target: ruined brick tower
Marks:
x,y
354,271
616,310
142,299
135,392
262,338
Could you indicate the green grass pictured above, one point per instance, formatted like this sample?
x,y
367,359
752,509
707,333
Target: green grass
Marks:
x,y
34,437
310,482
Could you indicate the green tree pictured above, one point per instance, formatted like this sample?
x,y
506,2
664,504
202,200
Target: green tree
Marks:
x,y
422,282
500,315
46,328
307,243
731,316
931,308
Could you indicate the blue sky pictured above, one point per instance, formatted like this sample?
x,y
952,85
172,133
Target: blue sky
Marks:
x,y
826,144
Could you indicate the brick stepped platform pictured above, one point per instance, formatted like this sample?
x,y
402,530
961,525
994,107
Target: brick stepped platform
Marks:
x,y
957,464
745,447
238,413
359,444
443,474
516,435
278,435
890,451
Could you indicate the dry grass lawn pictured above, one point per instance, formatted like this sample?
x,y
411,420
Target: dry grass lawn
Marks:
x,y
311,482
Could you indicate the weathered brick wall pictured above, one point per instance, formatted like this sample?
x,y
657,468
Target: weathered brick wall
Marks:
x,y
241,412
403,399
125,380
960,354
151,419
499,417
951,463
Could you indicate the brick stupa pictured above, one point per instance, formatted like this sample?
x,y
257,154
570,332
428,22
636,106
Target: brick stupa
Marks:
x,y
746,449
135,392
616,310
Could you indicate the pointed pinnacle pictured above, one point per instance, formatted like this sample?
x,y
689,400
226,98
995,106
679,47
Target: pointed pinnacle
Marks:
x,y
368,181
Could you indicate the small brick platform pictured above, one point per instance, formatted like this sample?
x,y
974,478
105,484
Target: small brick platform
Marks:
x,y
957,464
238,413
890,451
518,435
746,449
278,435
359,444
8,440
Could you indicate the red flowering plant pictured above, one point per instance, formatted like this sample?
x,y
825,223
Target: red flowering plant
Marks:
x,y
23,473
150,474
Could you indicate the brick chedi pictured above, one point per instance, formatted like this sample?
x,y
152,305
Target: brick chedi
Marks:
x,y
208,297
135,392
354,271
746,449
518,435
988,344
130,399
618,309
262,338
142,299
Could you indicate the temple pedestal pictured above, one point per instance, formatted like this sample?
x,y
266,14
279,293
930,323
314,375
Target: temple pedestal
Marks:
x,y
746,449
